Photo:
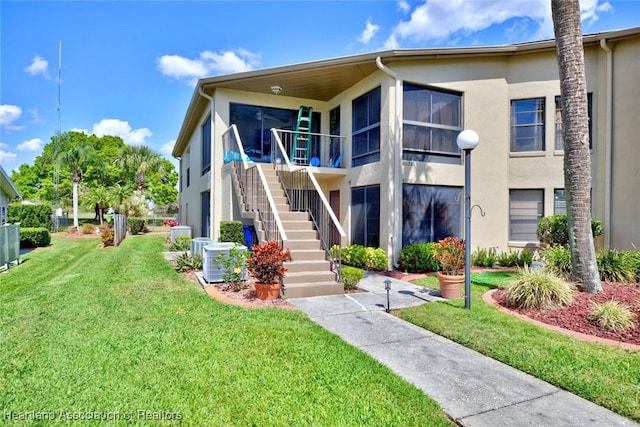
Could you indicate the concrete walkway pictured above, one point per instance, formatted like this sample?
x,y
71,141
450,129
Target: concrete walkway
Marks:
x,y
473,389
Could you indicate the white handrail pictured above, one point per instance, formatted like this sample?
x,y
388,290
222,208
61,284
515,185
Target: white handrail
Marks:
x,y
326,204
263,178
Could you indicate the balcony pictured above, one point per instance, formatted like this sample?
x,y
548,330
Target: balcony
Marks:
x,y
323,153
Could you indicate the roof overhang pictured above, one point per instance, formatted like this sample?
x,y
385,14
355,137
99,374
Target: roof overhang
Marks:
x,y
7,185
323,80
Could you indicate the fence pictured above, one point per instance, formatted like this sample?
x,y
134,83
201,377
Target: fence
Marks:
x,y
119,228
9,245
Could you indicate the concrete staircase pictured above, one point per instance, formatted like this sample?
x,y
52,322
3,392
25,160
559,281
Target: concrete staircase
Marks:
x,y
309,274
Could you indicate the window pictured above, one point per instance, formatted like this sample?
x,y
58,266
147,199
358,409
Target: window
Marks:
x,y
432,122
559,145
3,215
205,213
430,213
254,125
188,177
525,210
206,145
365,145
559,204
335,146
365,216
527,125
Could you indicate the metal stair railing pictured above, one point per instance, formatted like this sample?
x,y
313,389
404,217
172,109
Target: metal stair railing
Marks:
x,y
305,195
254,190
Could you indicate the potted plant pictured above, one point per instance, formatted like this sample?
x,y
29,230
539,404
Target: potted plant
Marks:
x,y
266,266
450,256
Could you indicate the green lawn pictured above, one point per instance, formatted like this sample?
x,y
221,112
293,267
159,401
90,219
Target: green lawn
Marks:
x,y
606,375
93,332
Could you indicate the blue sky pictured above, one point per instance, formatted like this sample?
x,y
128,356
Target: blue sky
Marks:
x,y
129,68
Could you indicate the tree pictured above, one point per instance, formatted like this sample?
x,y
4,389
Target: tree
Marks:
x,y
77,158
575,135
139,160
99,197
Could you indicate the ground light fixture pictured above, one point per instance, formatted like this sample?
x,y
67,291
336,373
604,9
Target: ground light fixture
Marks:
x,y
387,287
467,140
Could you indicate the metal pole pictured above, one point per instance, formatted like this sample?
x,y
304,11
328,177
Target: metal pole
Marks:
x,y
467,229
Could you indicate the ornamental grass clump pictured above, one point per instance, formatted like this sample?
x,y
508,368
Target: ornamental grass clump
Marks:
x,y
533,289
612,316
266,262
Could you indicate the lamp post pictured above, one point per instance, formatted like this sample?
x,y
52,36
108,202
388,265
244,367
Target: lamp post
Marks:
x,y
467,140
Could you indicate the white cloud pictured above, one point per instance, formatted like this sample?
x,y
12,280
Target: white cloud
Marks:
x,y
8,115
34,144
6,156
167,148
121,128
403,6
208,64
435,20
38,66
85,131
369,31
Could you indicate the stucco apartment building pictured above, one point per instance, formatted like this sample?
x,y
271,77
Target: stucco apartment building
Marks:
x,y
384,126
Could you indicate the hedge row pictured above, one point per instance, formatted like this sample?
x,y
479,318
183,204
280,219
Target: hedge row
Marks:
x,y
31,216
34,237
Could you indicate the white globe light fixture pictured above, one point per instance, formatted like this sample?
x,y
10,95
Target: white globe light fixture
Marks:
x,y
467,140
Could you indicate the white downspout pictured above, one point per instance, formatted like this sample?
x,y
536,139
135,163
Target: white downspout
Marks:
x,y
211,168
396,232
608,145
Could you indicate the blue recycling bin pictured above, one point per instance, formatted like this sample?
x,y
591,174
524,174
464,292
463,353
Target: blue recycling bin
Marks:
x,y
248,235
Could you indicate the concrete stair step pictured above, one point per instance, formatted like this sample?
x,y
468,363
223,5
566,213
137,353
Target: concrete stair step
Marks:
x,y
312,277
301,290
302,234
310,266
308,255
303,244
297,225
293,216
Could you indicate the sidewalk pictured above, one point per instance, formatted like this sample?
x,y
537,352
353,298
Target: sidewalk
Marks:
x,y
473,389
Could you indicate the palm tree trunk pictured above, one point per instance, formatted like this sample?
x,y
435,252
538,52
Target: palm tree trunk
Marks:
x,y
575,135
75,205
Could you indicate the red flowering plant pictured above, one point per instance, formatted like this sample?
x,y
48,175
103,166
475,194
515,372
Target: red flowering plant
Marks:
x,y
266,261
450,255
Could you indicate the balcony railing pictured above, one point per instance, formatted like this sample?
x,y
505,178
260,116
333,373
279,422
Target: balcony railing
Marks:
x,y
323,150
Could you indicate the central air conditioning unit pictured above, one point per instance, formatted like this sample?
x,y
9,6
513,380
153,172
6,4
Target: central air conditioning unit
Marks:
x,y
212,269
180,230
198,243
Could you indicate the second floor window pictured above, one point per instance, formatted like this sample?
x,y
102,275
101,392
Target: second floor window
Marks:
x,y
527,125
365,142
559,144
206,145
431,123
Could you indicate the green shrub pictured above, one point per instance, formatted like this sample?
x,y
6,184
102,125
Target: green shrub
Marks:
x,y
357,255
136,225
33,237
554,230
615,267
181,244
186,262
87,228
537,289
107,235
418,258
613,316
508,259
525,257
31,216
232,231
234,268
557,261
351,276
375,259
482,257
632,259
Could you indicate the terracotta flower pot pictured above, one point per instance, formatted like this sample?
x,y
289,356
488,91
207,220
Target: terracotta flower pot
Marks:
x,y
267,292
450,286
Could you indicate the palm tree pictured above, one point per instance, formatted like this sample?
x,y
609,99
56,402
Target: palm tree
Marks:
x,y
140,159
99,197
575,135
77,158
